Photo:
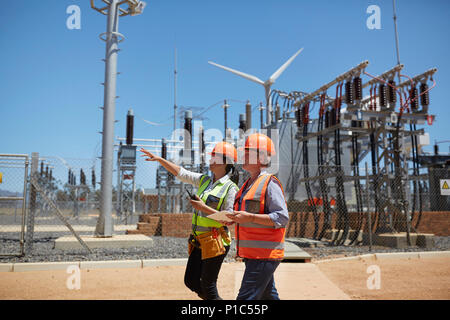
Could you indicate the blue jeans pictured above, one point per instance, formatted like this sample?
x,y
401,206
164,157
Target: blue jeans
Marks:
x,y
258,282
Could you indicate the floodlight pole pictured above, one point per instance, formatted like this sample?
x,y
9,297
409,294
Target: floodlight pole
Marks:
x,y
104,227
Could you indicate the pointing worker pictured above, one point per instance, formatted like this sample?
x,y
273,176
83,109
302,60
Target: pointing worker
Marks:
x,y
210,240
261,215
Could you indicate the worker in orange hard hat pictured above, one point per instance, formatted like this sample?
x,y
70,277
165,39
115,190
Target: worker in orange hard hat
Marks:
x,y
210,240
261,215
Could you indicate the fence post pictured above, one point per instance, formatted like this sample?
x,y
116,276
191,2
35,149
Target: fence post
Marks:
x,y
32,211
369,217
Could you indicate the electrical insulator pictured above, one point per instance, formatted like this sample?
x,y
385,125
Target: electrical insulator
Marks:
x,y
382,94
202,149
332,118
188,130
82,177
327,119
392,94
242,122
348,93
68,177
357,86
130,127
305,113
163,149
93,178
248,115
298,117
425,97
413,94
42,169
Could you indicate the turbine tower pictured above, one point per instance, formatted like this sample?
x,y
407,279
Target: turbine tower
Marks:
x,y
266,84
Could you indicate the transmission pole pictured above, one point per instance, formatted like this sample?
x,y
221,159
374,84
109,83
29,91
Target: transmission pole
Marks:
x,y
175,94
112,37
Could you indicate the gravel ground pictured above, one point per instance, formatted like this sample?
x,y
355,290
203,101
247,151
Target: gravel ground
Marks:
x,y
163,248
169,247
327,252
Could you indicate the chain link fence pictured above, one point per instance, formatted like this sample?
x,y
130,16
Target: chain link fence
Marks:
x,y
367,209
332,209
335,207
13,201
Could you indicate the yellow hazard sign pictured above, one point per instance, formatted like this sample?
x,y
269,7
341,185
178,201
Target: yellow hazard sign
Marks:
x,y
445,187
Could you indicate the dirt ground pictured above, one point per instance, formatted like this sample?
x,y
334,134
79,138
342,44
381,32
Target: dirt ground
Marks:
x,y
400,279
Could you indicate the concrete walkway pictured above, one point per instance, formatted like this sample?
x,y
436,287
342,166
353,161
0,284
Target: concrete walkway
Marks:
x,y
299,281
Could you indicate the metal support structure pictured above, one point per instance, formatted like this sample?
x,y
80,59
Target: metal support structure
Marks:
x,y
175,93
380,132
396,32
342,77
126,187
225,115
46,198
32,212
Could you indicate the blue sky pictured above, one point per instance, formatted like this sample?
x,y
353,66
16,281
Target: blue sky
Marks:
x,y
50,76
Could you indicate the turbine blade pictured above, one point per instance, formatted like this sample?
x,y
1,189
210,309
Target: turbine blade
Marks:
x,y
283,67
239,73
153,123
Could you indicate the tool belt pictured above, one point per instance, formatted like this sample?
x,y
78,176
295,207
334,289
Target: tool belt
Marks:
x,y
210,243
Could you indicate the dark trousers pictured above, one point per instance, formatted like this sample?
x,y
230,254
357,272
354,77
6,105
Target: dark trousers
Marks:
x,y
258,282
201,275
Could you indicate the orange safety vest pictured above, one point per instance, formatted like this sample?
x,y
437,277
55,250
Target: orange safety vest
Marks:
x,y
256,241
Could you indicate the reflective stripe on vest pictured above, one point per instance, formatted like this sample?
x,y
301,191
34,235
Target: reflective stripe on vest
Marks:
x,y
200,221
256,241
261,244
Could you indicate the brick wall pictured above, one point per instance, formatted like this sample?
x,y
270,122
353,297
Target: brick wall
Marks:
x,y
436,222
301,224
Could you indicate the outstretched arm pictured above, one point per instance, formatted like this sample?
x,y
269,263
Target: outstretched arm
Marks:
x,y
179,172
170,166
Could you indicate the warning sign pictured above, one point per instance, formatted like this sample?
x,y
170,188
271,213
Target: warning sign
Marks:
x,y
445,187
1,176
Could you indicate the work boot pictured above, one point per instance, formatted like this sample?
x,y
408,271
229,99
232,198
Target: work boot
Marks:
x,y
202,296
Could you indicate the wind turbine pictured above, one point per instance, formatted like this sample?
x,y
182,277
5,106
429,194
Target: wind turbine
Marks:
x,y
267,84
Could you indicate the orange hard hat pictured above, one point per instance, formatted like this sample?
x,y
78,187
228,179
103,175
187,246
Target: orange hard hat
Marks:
x,y
226,149
261,142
